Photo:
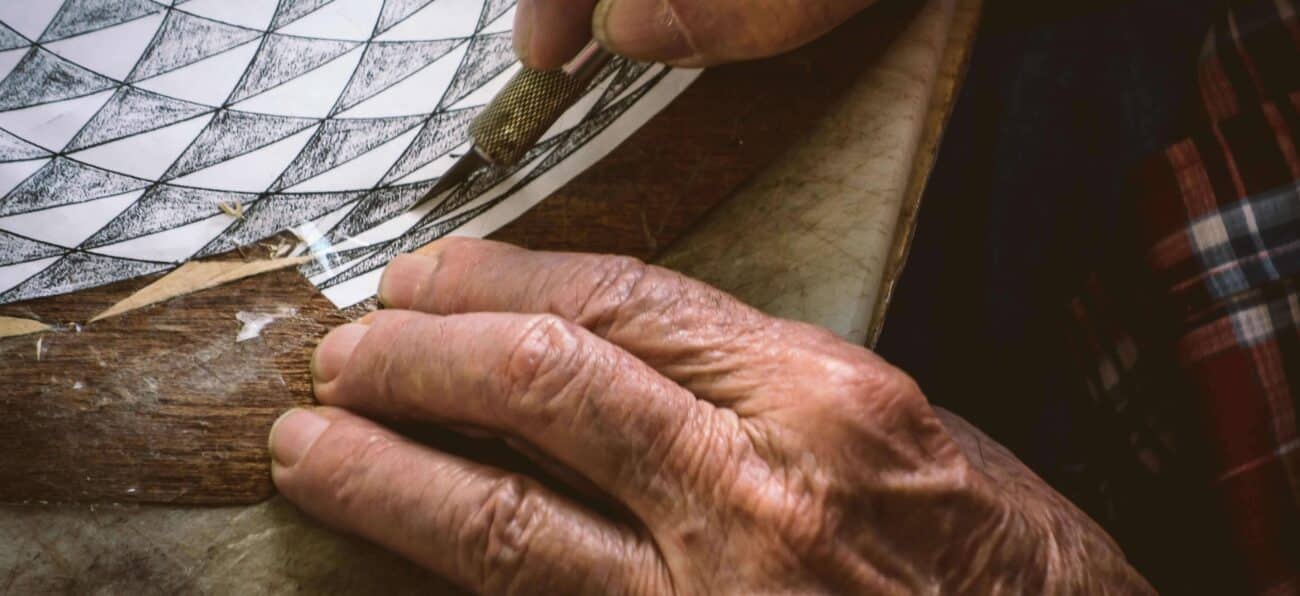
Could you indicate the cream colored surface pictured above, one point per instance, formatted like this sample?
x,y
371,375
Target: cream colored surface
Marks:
x,y
139,550
193,277
13,326
809,239
961,39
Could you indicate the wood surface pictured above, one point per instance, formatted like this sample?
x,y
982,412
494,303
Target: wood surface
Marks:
x,y
162,405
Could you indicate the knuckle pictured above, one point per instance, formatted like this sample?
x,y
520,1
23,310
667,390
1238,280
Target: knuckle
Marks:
x,y
540,360
507,524
865,392
876,381
888,420
887,393
850,376
854,372
617,283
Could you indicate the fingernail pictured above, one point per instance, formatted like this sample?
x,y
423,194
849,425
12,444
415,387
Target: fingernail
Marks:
x,y
403,278
641,29
293,433
332,353
523,35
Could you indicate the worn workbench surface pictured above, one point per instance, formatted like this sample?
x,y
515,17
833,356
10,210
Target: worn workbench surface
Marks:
x,y
162,405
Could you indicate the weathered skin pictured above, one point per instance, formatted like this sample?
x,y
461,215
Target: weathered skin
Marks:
x,y
754,455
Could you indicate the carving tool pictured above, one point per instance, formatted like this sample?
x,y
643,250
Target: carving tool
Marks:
x,y
520,114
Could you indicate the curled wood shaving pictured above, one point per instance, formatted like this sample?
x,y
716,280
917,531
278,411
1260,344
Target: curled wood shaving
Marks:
x,y
192,277
234,208
13,326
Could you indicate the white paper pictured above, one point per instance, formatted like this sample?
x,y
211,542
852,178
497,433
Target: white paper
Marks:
x,y
122,131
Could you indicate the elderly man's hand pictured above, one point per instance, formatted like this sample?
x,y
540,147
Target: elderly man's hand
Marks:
x,y
681,32
754,454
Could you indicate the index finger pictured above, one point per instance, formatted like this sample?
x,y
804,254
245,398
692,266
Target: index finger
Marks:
x,y
537,378
687,330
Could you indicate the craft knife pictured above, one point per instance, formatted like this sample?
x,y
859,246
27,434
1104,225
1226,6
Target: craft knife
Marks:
x,y
520,114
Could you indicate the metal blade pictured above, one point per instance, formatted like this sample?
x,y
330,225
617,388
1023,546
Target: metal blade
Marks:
x,y
459,172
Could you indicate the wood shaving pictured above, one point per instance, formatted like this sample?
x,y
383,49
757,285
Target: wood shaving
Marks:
x,y
283,249
13,327
234,208
192,277
279,249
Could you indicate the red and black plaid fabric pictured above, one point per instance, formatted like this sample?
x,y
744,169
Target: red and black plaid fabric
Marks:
x,y
1191,338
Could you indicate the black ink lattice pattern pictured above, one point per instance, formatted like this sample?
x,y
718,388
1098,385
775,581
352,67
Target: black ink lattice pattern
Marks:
x,y
125,124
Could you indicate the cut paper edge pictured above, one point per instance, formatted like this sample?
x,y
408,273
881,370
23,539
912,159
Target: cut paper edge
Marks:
x,y
195,276
356,290
14,327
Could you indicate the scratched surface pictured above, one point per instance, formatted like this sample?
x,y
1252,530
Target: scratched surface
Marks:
x,y
161,404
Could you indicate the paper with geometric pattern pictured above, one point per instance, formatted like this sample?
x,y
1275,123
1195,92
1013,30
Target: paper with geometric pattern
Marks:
x,y
127,125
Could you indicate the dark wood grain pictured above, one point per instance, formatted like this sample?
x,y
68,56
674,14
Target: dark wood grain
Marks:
x,y
162,405
157,405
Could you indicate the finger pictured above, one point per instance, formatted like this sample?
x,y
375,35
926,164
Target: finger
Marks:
x,y
488,530
705,32
703,339
590,406
549,33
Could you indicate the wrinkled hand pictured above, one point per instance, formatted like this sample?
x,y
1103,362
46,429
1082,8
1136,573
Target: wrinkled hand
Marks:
x,y
754,454
548,33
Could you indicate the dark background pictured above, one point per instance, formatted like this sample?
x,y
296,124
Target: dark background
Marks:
x,y
1061,101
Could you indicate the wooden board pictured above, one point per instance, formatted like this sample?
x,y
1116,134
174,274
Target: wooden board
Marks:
x,y
162,405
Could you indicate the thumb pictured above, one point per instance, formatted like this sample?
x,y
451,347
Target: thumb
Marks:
x,y
706,32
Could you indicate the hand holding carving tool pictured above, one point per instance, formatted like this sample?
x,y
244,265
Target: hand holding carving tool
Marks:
x,y
520,114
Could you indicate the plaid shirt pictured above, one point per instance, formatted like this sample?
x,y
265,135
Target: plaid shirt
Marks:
x,y
1190,336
